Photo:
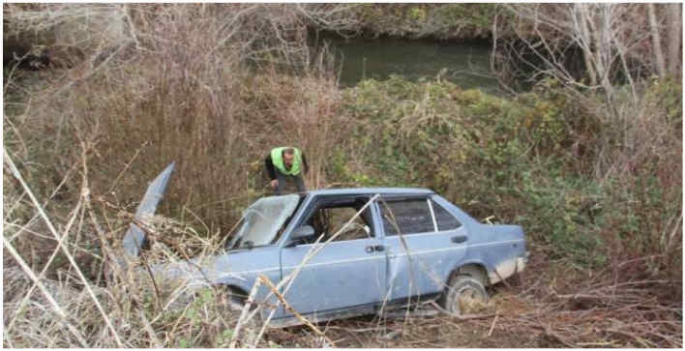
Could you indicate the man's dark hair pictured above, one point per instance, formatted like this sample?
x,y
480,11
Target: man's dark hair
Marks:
x,y
288,151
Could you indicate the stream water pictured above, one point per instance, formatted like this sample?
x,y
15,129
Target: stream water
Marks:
x,y
467,65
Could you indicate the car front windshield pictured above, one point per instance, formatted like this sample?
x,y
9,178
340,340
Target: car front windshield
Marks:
x,y
262,220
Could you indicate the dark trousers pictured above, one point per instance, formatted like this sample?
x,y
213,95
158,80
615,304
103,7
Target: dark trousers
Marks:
x,y
282,178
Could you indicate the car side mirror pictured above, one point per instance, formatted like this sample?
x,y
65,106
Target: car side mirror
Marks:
x,y
303,232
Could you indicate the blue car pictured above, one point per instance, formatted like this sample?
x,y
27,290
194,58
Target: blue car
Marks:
x,y
348,252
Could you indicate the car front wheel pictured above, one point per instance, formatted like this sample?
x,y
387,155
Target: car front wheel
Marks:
x,y
235,300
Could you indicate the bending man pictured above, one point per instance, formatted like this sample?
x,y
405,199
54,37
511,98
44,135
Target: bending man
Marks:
x,y
286,163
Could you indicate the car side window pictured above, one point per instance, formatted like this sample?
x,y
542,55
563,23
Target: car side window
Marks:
x,y
410,216
357,229
444,219
329,218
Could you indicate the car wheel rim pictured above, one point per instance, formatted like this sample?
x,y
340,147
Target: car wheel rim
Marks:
x,y
466,299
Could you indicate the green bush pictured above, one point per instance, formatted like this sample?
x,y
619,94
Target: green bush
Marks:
x,y
443,21
516,160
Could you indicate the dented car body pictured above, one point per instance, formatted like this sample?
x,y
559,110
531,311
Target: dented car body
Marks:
x,y
376,247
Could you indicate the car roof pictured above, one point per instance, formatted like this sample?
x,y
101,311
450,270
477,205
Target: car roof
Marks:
x,y
371,191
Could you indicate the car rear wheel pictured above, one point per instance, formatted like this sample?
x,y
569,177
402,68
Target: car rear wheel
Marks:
x,y
465,295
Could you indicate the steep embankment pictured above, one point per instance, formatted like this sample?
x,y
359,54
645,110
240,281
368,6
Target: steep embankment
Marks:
x,y
415,21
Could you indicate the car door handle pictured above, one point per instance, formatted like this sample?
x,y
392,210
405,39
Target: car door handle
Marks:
x,y
372,248
459,239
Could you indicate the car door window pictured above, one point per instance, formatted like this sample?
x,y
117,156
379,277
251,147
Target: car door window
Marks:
x,y
444,219
410,216
357,229
329,218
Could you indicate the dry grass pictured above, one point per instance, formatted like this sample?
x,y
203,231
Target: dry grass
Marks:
x,y
534,313
183,87
162,83
557,306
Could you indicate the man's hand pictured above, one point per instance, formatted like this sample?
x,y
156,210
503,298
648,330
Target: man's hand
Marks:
x,y
274,183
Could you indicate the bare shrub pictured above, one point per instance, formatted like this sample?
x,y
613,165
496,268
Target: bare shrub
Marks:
x,y
180,85
635,143
212,87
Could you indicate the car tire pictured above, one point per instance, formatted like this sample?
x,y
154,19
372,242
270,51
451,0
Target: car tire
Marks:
x,y
462,291
235,300
229,298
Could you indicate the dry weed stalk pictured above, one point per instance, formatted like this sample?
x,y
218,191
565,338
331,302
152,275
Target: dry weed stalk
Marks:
x,y
36,281
81,312
266,281
66,252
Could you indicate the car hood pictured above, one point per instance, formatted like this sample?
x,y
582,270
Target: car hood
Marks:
x,y
220,268
231,266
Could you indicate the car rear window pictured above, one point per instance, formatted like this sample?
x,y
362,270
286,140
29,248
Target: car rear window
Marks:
x,y
444,219
408,216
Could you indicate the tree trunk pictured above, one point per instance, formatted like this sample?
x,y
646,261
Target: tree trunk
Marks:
x,y
580,18
656,41
673,37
